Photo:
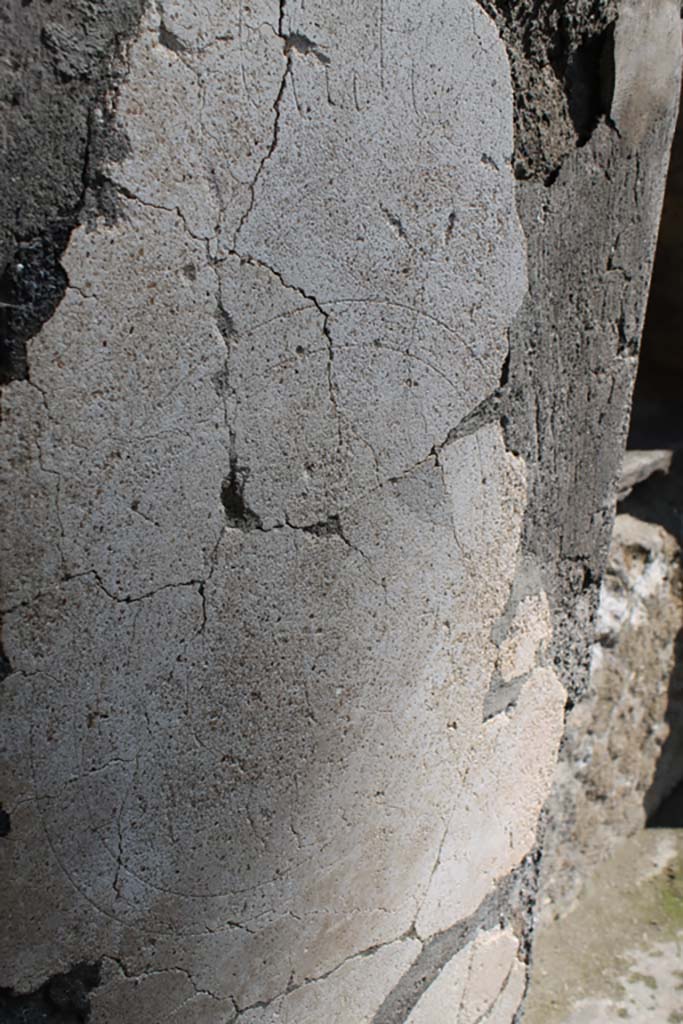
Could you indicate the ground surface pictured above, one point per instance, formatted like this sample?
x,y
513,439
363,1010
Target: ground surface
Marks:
x,y
619,954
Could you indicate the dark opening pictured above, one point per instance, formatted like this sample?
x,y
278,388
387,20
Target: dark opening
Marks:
x,y
657,416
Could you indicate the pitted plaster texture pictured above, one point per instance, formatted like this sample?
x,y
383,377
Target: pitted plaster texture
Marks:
x,y
252,577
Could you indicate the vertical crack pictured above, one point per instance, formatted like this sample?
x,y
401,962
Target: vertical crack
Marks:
x,y
330,371
287,54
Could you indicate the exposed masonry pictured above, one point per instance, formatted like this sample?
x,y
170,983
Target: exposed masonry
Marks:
x,y
62,999
57,129
5,667
562,63
351,697
31,288
65,140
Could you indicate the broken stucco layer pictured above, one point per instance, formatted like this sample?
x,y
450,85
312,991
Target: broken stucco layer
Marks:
x,y
280,719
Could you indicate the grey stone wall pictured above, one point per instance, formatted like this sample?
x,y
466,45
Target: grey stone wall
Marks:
x,y
319,344
622,751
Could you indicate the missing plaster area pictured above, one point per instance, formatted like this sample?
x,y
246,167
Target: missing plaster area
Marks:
x,y
238,515
31,287
33,282
170,40
224,322
5,664
330,527
62,999
61,69
303,45
562,64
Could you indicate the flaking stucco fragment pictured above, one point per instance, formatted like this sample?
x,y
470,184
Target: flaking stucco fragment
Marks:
x,y
509,779
166,165
406,231
647,57
484,982
198,142
530,630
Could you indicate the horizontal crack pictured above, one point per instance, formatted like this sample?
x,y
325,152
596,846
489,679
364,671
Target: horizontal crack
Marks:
x,y
128,599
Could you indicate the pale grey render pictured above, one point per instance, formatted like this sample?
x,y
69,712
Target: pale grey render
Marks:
x,y
297,550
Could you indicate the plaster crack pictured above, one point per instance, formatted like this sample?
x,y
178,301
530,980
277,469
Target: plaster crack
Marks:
x,y
488,411
128,599
360,954
116,881
226,329
142,975
330,378
128,194
58,501
439,949
486,1015
325,315
287,54
256,262
395,222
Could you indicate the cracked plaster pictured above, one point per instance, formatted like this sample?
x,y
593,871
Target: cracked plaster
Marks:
x,y
482,984
266,746
354,991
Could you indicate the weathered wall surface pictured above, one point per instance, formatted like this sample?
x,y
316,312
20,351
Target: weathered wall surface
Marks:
x,y
299,529
624,739
622,753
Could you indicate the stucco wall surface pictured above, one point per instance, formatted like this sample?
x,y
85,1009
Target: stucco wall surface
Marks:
x,y
281,703
251,573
